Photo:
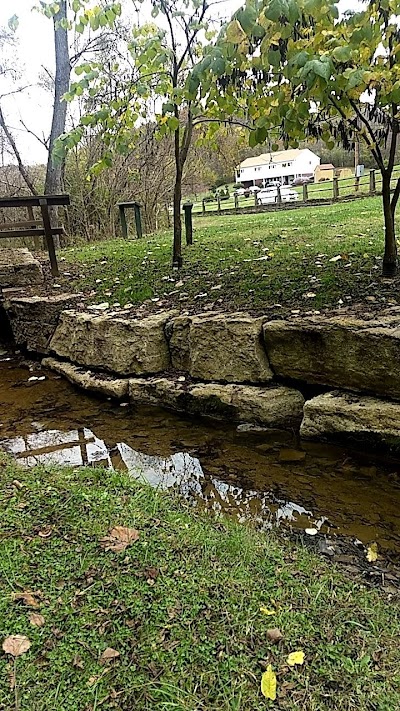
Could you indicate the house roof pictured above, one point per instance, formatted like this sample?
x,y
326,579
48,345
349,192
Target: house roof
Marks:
x,y
326,166
278,157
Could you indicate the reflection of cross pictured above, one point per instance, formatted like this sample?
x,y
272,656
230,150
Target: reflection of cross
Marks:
x,y
82,443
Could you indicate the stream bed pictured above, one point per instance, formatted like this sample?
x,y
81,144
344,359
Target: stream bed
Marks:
x,y
266,477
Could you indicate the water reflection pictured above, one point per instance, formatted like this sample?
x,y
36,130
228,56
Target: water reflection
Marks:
x,y
181,471
252,476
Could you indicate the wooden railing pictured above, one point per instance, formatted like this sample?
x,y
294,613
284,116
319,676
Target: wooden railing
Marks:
x,y
334,190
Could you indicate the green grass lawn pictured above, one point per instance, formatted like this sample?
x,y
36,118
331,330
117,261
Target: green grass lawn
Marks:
x,y
276,260
180,607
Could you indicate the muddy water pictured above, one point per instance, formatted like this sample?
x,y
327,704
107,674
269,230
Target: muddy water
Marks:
x,y
266,477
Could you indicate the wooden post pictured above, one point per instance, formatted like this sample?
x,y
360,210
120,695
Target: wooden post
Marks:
x,y
204,206
122,217
255,199
372,183
188,206
335,188
356,185
219,204
236,199
49,236
305,192
279,196
138,220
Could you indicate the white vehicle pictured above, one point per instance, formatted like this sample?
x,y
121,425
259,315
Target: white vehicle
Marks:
x,y
254,189
270,195
239,191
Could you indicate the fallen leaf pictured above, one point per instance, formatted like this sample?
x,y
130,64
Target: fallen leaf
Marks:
x,y
16,645
295,658
274,635
77,662
336,259
372,553
119,538
46,532
108,655
36,620
17,484
29,598
267,611
268,684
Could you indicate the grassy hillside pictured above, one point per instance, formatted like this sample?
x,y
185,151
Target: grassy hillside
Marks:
x,y
308,258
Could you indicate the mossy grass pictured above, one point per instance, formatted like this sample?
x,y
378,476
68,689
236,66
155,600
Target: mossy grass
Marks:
x,y
181,606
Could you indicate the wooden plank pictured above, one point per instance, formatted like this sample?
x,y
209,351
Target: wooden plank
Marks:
x,y
24,223
9,234
44,207
127,204
34,200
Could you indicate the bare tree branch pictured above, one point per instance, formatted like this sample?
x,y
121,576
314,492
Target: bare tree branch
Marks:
x,y
21,167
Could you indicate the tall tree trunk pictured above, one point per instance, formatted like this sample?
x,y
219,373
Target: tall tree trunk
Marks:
x,y
177,249
55,171
389,268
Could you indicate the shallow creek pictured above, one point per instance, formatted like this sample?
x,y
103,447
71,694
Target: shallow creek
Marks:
x,y
267,477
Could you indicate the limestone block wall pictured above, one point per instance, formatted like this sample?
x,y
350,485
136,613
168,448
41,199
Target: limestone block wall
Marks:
x,y
242,368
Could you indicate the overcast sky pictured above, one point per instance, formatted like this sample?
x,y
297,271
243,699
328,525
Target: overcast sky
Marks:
x,y
35,50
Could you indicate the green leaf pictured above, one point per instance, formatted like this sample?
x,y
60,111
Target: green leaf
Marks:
x,y
320,68
342,54
173,123
247,18
167,108
356,78
253,139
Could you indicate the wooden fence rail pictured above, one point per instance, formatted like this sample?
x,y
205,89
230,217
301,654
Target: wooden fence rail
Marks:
x,y
333,190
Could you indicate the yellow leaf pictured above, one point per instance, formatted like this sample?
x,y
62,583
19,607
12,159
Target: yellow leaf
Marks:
x,y
268,684
372,553
295,658
235,32
266,611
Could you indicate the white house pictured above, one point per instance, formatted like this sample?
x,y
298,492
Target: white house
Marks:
x,y
282,166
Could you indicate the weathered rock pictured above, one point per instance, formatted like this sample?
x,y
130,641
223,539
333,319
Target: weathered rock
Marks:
x,y
161,392
338,415
125,346
178,335
274,407
34,319
95,382
224,347
338,351
18,267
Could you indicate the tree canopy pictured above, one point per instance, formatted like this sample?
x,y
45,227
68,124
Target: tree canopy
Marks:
x,y
298,69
